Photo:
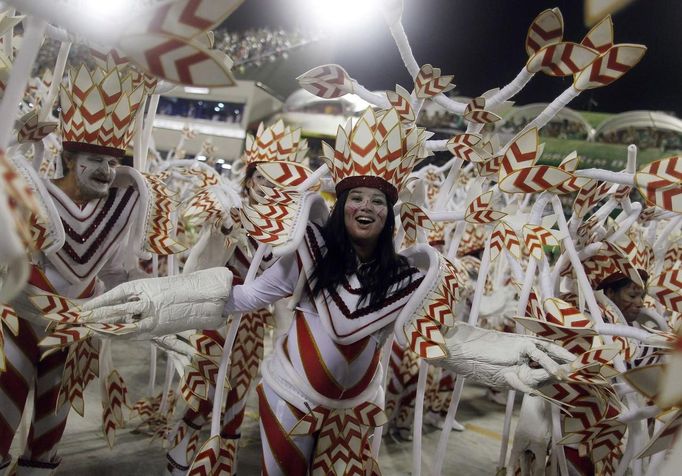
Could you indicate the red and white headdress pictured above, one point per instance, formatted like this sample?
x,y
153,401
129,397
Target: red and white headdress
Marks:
x,y
98,110
379,151
276,143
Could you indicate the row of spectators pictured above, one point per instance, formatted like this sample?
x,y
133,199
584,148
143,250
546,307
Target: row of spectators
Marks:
x,y
560,129
441,119
253,47
644,138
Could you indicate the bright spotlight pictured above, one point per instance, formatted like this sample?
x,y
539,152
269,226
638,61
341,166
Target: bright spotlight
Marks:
x,y
226,166
221,161
202,158
109,10
340,14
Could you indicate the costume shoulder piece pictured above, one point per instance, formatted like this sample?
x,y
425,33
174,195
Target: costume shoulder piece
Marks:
x,y
281,218
431,307
158,219
47,234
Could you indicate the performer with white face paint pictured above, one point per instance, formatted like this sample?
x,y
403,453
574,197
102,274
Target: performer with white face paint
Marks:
x,y
87,175
95,213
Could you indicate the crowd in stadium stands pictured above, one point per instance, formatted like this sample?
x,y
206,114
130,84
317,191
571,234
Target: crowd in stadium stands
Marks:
x,y
644,138
561,129
257,46
251,47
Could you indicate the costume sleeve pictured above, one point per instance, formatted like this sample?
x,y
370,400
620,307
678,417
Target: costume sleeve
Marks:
x,y
276,282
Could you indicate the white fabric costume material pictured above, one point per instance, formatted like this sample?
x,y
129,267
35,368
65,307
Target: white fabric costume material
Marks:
x,y
481,355
178,302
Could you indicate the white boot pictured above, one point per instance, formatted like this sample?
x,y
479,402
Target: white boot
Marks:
x,y
177,457
26,467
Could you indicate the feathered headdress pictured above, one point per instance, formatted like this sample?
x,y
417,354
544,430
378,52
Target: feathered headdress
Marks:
x,y
276,143
98,110
379,151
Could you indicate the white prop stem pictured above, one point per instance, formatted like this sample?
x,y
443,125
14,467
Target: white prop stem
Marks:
x,y
418,418
624,330
553,108
447,427
315,177
506,429
445,215
459,385
21,70
369,96
622,178
632,159
403,44
627,223
634,428
59,66
558,450
168,383
450,180
152,371
137,140
456,239
661,244
511,89
227,347
534,219
147,132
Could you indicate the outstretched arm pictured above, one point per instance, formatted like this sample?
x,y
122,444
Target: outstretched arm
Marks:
x,y
201,299
276,282
502,360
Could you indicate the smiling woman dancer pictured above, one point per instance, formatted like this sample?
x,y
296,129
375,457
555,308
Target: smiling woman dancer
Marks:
x,y
321,390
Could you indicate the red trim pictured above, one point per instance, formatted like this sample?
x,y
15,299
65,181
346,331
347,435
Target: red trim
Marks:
x,y
371,181
38,279
72,146
289,458
319,376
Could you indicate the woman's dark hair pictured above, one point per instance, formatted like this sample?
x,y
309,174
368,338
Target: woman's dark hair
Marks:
x,y
340,261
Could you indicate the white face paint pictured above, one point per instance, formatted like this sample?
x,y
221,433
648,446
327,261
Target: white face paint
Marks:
x,y
94,174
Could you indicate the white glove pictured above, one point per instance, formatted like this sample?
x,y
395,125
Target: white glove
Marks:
x,y
501,360
532,436
165,305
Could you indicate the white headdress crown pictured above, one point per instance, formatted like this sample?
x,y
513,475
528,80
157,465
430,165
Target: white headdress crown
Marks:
x,y
276,143
379,151
98,110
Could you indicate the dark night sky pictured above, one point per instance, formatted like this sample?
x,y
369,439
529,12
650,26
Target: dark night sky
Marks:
x,y
481,42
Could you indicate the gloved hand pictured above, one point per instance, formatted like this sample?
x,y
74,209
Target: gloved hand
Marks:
x,y
502,360
165,305
532,436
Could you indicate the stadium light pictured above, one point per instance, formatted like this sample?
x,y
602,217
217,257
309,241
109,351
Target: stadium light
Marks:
x,y
226,166
340,14
201,158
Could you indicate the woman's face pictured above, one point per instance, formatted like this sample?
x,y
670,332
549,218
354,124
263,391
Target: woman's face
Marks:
x,y
629,299
365,214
